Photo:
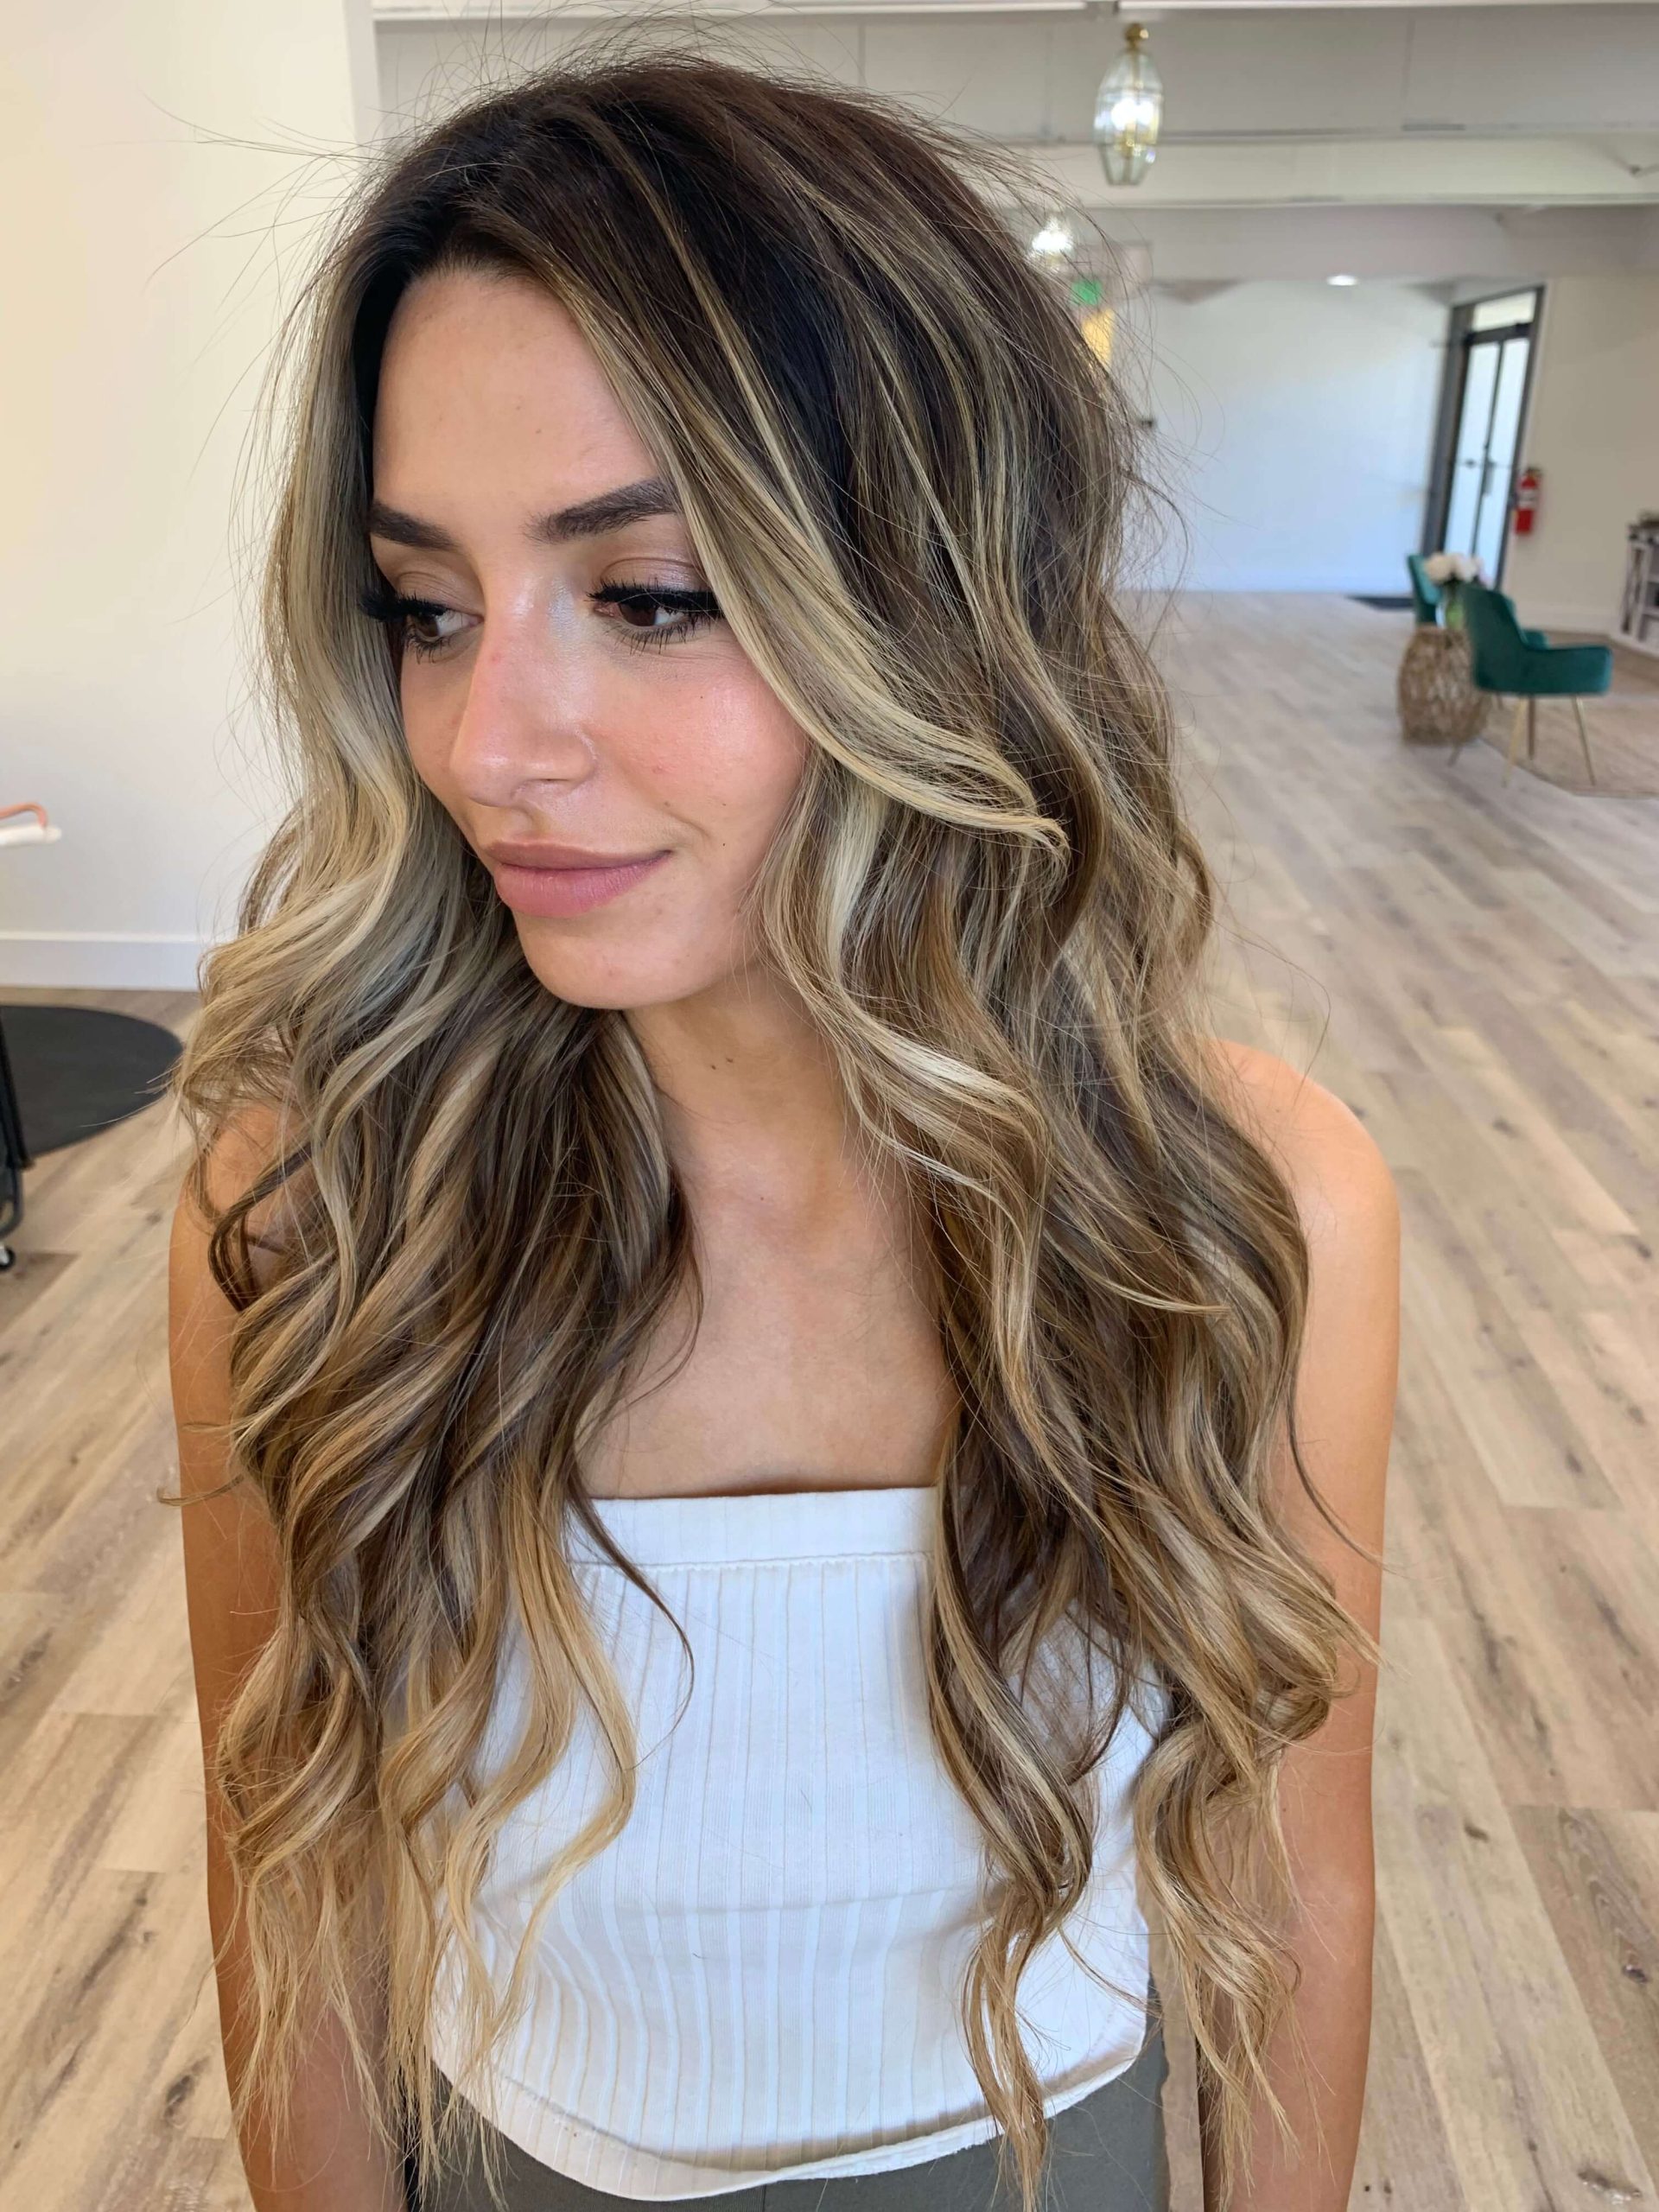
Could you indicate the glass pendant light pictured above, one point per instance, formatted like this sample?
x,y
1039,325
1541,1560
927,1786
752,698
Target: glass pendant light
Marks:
x,y
1129,108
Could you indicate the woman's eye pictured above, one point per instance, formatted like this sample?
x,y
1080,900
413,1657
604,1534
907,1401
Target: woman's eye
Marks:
x,y
638,605
400,613
639,609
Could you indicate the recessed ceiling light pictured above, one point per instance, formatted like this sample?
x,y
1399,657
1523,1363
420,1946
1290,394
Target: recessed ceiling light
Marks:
x,y
1342,280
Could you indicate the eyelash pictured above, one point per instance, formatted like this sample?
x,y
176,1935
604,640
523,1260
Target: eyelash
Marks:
x,y
397,610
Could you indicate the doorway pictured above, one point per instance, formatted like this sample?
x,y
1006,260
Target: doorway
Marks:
x,y
1489,375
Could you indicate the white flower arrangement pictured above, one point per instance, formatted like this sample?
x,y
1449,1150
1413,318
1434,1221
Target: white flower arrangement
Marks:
x,y
1454,568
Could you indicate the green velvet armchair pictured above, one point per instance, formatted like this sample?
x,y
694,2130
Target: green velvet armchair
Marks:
x,y
1525,665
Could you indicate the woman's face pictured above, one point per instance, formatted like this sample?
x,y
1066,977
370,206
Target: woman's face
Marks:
x,y
567,683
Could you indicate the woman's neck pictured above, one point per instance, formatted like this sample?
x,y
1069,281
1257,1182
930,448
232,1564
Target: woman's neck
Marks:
x,y
753,1105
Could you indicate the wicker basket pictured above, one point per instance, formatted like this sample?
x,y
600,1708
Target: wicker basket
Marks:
x,y
1438,704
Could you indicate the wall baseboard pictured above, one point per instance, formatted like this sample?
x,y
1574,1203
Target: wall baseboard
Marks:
x,y
75,960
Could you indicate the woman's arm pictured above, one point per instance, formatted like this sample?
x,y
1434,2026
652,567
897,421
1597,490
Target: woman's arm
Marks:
x,y
1345,1415
332,2163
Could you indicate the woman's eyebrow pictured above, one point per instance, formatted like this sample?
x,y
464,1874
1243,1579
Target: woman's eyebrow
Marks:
x,y
606,511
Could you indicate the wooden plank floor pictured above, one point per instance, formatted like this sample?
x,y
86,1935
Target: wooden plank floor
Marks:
x,y
1475,968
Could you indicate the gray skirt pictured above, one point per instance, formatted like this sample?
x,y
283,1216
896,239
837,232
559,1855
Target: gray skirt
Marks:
x,y
1107,2154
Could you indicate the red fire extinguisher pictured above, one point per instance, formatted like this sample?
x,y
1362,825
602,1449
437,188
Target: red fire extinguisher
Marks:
x,y
1527,485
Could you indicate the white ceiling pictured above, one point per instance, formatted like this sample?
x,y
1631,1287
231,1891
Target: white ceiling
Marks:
x,y
1446,130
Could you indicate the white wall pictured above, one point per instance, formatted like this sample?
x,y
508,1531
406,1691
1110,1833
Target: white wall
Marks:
x,y
1592,430
1294,423
139,264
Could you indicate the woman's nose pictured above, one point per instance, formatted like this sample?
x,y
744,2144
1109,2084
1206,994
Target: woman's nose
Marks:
x,y
527,719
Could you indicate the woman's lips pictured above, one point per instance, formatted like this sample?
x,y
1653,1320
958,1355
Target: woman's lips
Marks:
x,y
554,891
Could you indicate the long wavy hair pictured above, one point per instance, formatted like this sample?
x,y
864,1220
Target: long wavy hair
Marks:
x,y
908,478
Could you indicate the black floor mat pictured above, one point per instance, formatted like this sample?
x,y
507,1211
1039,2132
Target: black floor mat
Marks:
x,y
78,1070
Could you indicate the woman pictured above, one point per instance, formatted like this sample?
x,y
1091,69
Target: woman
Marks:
x,y
777,1439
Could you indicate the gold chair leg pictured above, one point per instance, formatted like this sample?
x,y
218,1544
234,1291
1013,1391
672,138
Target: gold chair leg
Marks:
x,y
1584,740
1532,729
1515,729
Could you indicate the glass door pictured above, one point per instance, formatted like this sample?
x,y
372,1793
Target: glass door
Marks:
x,y
1494,352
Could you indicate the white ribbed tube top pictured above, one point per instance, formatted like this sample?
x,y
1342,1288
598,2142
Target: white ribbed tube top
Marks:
x,y
760,1978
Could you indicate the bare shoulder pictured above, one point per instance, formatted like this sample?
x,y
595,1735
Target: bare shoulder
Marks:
x,y
1347,1374
233,1568
252,1140
1348,1365
201,1320
1344,1188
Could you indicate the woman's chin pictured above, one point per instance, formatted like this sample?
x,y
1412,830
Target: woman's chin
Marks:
x,y
618,981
